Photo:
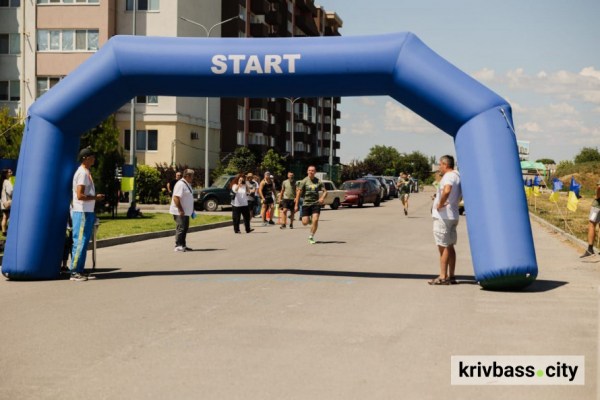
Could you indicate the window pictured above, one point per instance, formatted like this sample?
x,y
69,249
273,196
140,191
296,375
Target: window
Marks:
x,y
272,120
319,134
10,90
319,152
301,110
289,26
67,40
257,19
272,142
287,145
312,115
287,126
45,83
145,140
258,114
10,43
10,3
143,5
146,99
298,127
308,149
288,106
241,34
328,185
240,138
68,1
241,113
242,13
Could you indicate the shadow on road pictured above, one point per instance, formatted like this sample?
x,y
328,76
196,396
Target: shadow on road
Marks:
x,y
331,242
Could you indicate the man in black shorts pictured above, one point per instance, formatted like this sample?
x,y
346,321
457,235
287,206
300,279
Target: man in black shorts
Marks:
x,y
266,190
308,189
288,196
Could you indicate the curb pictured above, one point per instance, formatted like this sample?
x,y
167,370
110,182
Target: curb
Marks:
x,y
152,235
556,229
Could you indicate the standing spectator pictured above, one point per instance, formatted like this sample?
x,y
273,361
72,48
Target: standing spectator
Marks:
x,y
84,201
258,205
5,198
266,190
288,196
240,203
173,182
182,207
251,194
445,220
593,220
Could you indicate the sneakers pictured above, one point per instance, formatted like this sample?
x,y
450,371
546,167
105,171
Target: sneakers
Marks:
x,y
65,270
251,230
271,222
405,212
311,240
179,248
264,223
587,254
291,226
77,277
88,276
282,227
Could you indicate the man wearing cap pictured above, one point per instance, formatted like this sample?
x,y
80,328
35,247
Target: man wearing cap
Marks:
x,y
84,201
266,190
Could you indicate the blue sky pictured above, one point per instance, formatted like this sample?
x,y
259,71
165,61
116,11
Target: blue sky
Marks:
x,y
543,56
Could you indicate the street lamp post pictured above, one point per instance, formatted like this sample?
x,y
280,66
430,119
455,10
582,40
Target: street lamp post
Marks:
x,y
208,32
292,101
132,131
331,137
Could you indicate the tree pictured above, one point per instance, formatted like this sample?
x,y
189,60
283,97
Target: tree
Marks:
x,y
381,158
243,161
104,140
416,164
587,154
272,162
11,134
545,161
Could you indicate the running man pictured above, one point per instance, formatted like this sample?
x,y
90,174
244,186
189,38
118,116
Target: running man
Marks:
x,y
266,190
288,195
593,220
404,190
308,189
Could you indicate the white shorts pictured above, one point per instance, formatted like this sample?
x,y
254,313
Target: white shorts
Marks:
x,y
444,231
595,215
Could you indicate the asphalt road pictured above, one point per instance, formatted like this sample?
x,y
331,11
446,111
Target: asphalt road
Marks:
x,y
268,316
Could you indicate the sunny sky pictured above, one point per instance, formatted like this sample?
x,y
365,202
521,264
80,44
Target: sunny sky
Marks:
x,y
543,56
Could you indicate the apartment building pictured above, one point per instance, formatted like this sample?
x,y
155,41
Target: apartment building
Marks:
x,y
41,41
264,124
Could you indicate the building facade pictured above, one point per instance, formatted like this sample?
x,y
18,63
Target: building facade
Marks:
x,y
42,41
264,124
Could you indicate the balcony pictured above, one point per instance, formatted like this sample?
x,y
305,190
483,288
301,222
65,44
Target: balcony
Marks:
x,y
336,144
258,103
306,5
259,30
337,100
337,114
306,24
259,7
336,129
274,107
258,127
274,130
274,18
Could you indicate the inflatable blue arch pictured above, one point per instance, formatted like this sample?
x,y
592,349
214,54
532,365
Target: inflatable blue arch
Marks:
x,y
399,65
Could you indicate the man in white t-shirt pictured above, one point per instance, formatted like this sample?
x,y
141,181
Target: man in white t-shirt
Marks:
x,y
182,207
84,201
445,220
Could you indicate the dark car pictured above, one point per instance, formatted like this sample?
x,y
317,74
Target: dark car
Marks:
x,y
216,195
384,185
360,192
392,188
377,183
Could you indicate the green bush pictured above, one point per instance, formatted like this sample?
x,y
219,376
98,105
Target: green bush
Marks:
x,y
149,184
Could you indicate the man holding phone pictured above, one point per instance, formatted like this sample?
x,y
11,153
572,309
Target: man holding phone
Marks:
x,y
84,201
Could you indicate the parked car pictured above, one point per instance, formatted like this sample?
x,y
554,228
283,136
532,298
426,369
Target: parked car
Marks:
x,y
334,197
392,188
385,186
359,192
216,195
378,184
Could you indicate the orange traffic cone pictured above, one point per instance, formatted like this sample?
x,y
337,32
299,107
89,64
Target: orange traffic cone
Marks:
x,y
268,214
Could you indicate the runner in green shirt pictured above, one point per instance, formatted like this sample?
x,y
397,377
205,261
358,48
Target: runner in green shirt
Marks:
x,y
404,190
308,189
288,195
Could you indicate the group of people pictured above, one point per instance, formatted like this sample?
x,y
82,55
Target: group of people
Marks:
x,y
245,191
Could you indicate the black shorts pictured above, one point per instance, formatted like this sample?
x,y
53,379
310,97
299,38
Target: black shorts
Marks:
x,y
288,204
307,211
268,200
